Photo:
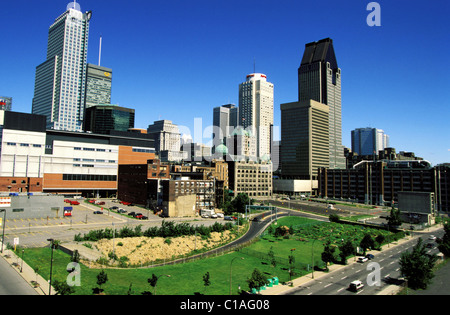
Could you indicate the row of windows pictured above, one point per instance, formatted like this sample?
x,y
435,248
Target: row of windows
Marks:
x,y
88,177
24,144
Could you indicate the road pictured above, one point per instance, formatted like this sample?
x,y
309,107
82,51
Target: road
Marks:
x,y
371,273
12,283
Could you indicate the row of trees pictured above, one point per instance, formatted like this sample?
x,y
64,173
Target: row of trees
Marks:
x,y
167,229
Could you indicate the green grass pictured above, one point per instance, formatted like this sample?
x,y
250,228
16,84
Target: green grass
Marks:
x,y
187,278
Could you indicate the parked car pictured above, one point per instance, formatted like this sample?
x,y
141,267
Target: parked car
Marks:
x,y
138,216
132,214
228,218
355,286
74,203
219,215
432,237
121,211
144,217
370,256
214,216
205,216
114,208
98,212
362,259
430,245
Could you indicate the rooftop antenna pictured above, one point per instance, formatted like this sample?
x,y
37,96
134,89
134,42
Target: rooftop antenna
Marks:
x,y
100,51
254,65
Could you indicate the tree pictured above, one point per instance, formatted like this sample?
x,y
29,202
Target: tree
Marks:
x,y
444,243
257,280
76,256
102,278
328,254
345,250
394,217
62,288
240,201
206,281
153,281
333,218
417,266
272,259
367,243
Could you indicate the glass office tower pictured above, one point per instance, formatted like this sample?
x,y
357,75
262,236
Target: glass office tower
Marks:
x,y
60,83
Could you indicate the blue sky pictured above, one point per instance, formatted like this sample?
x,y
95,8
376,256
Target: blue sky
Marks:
x,y
177,60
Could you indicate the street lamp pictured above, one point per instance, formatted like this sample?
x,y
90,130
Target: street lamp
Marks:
x,y
4,224
51,266
312,254
242,258
154,289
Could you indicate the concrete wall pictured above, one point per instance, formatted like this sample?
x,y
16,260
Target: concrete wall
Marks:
x,y
36,206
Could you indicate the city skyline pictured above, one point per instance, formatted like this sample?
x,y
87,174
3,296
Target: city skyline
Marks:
x,y
178,64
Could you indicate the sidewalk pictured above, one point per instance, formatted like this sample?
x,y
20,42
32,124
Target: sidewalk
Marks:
x,y
389,290
27,273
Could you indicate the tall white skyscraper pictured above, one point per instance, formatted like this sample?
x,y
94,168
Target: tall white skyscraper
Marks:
x,y
256,110
60,84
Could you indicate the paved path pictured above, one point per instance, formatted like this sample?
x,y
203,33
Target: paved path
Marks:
x,y
22,286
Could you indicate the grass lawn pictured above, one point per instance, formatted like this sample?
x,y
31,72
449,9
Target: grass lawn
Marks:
x,y
186,279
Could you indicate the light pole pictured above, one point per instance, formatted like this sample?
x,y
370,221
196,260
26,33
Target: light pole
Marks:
x,y
242,258
154,289
4,224
51,267
312,254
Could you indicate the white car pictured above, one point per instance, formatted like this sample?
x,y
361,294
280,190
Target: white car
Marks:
x,y
214,216
362,259
432,237
219,215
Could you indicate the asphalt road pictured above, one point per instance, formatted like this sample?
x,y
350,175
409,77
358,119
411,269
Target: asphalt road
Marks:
x,y
11,283
372,273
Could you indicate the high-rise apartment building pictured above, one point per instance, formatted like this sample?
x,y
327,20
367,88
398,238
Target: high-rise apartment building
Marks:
x,y
368,141
98,85
60,82
225,120
256,111
319,79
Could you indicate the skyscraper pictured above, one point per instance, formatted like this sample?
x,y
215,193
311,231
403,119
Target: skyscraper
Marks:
x,y
60,83
368,141
225,120
304,139
319,79
98,85
256,110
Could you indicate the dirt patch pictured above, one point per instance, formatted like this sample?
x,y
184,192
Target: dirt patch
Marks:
x,y
142,250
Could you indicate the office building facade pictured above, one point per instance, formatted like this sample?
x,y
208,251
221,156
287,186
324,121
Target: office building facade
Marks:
x,y
104,118
225,120
60,82
304,139
369,141
319,79
98,85
256,99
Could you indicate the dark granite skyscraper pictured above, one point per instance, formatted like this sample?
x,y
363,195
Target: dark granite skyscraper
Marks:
x,y
319,79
